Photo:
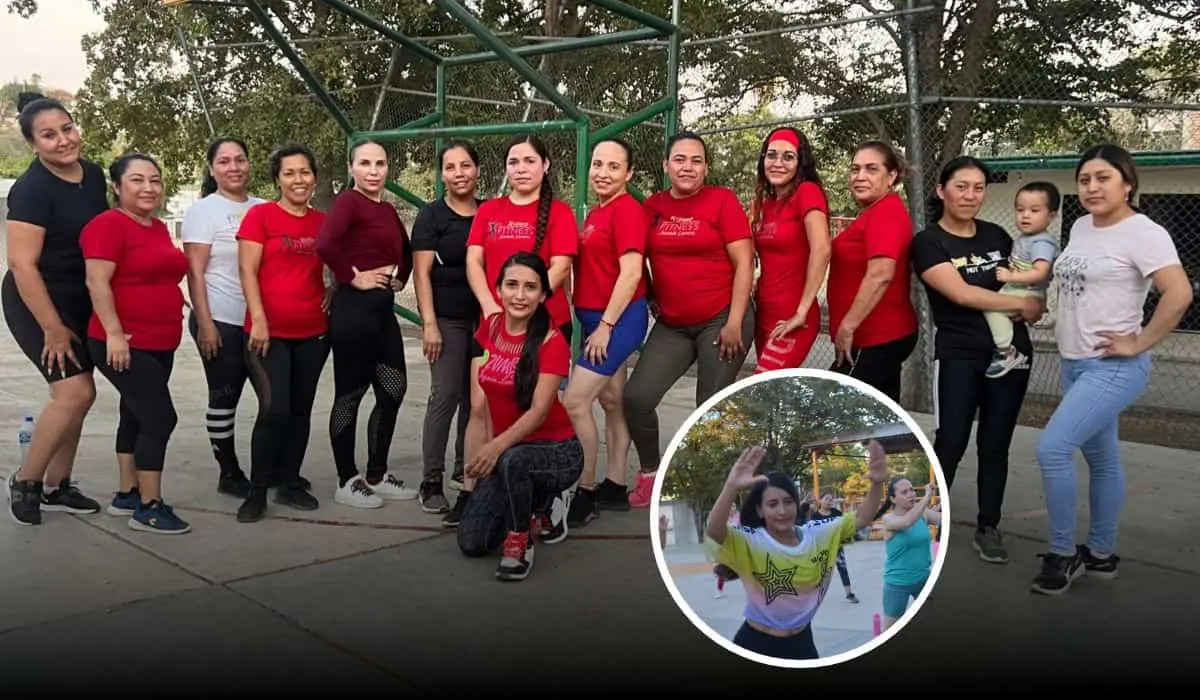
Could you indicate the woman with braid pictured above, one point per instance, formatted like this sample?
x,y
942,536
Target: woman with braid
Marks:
x,y
528,220
364,244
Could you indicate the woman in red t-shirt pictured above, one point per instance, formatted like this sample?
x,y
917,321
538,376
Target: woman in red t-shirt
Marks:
x,y
528,219
871,317
790,220
610,301
701,256
521,446
134,273
283,282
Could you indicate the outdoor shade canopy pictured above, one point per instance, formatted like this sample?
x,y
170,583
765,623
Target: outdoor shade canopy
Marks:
x,y
894,437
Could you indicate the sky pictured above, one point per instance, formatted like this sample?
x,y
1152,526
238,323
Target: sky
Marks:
x,y
48,44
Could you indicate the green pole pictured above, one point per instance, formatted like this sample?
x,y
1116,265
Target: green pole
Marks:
x,y
672,125
456,10
403,193
439,187
422,122
357,14
465,131
641,16
558,46
294,58
655,109
583,158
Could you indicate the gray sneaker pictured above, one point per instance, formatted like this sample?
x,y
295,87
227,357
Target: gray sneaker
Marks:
x,y
433,500
989,543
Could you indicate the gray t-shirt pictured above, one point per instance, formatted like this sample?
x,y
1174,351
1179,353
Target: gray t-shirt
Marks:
x,y
1029,249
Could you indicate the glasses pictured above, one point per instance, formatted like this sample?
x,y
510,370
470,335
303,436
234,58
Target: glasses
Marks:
x,y
786,156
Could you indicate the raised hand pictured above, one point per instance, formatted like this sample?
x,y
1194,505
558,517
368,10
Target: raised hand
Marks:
x,y
876,462
742,476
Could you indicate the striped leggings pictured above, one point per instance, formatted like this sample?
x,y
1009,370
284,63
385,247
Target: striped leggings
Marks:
x,y
526,477
226,376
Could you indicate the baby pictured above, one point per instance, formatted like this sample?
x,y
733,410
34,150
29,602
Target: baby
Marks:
x,y
1029,268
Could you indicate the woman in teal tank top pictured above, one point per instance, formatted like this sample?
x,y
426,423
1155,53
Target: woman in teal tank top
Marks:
x,y
909,546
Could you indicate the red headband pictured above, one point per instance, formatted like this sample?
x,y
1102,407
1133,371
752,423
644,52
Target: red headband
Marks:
x,y
785,135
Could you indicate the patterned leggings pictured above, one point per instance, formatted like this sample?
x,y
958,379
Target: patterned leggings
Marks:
x,y
525,475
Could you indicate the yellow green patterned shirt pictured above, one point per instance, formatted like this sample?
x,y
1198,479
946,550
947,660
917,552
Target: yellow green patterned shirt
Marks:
x,y
784,585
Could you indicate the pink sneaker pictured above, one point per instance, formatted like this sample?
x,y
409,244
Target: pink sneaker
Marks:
x,y
643,490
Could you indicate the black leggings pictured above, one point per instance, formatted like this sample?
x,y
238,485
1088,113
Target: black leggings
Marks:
x,y
879,366
961,390
226,376
799,646
526,479
147,413
286,382
368,351
842,569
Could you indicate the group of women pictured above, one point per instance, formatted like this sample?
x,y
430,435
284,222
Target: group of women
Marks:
x,y
277,287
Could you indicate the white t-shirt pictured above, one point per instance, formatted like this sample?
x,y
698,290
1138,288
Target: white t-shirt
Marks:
x,y
214,221
1103,279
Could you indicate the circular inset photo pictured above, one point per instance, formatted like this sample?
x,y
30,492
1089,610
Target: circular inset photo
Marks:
x,y
799,518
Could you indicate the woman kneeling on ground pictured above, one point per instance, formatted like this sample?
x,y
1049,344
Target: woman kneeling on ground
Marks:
x,y
521,447
784,567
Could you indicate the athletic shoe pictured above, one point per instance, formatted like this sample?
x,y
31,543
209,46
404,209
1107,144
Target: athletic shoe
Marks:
x,y
234,484
357,494
296,497
551,526
517,561
584,508
159,518
850,597
456,481
125,502
1003,362
612,496
1099,568
989,543
392,489
432,498
252,509
24,500
455,516
643,490
67,498
1057,573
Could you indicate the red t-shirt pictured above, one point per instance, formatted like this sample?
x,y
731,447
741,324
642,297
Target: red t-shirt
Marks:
x,y
146,284
290,276
782,245
691,269
608,233
882,230
504,228
497,378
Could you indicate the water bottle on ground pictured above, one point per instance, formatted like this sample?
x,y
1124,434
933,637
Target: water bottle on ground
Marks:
x,y
25,437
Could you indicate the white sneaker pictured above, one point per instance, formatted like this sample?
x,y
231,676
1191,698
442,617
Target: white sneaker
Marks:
x,y
393,489
357,494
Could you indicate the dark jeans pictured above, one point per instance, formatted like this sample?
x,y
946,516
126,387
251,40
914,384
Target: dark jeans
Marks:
x,y
960,391
666,356
226,376
368,352
800,646
449,394
147,413
879,366
526,477
286,382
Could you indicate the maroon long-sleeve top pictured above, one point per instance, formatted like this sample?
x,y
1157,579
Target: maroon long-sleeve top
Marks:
x,y
361,233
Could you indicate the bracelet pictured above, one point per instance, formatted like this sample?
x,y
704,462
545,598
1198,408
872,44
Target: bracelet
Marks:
x,y
607,323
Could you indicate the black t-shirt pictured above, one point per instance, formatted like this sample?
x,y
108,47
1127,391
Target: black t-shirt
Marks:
x,y
962,332
815,516
62,208
440,229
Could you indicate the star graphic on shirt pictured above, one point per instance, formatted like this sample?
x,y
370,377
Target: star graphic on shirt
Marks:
x,y
776,582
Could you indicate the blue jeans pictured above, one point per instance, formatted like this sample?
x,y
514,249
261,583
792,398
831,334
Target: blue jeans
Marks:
x,y
1095,392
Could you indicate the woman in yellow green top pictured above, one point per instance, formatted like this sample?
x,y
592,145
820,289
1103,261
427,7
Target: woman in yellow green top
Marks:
x,y
785,568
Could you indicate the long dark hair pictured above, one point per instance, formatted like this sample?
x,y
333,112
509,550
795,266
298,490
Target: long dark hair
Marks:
x,y
1120,159
526,377
949,170
210,182
31,104
545,194
888,500
806,171
749,516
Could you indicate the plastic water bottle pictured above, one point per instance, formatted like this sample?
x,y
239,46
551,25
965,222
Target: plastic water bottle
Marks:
x,y
25,437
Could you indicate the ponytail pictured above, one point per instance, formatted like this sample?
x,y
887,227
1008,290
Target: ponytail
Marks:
x,y
545,199
887,501
209,186
527,367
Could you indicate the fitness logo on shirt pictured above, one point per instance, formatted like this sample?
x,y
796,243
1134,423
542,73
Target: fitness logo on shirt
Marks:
x,y
300,246
587,233
767,232
512,230
498,370
677,226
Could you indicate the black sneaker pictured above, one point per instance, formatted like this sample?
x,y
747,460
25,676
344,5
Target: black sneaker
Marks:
x,y
454,517
551,524
24,500
1099,568
584,508
612,496
1057,573
296,497
234,484
517,561
252,509
433,500
67,498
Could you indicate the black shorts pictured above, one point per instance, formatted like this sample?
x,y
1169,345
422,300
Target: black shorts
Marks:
x,y
74,307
